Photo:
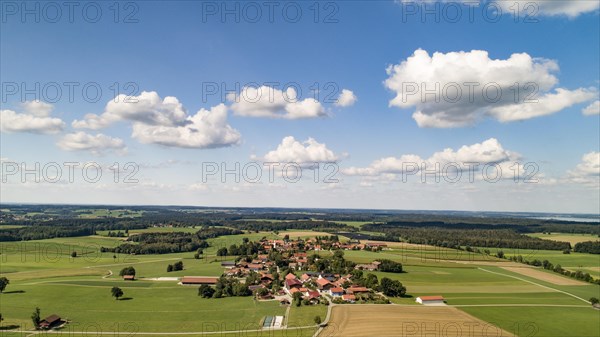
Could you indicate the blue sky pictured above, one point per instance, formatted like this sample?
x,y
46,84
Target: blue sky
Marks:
x,y
176,49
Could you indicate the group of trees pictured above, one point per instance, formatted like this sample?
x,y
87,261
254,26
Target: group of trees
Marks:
x,y
458,237
389,287
358,278
335,264
3,283
392,288
177,266
175,242
590,247
39,232
118,234
225,287
127,271
247,248
389,266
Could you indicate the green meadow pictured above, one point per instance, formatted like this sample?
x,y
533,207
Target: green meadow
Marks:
x,y
541,321
43,274
587,263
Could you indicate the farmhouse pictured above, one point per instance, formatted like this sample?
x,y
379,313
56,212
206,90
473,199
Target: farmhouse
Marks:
x,y
356,290
292,284
430,300
50,322
349,298
310,294
196,280
336,292
323,284
128,277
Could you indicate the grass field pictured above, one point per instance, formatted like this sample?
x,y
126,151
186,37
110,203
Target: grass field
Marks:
x,y
42,273
164,308
588,263
3,226
542,321
305,315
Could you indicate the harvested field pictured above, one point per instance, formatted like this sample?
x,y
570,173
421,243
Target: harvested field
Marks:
x,y
545,276
394,320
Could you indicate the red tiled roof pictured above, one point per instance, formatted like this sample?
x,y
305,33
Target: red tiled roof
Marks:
x,y
292,283
348,297
337,290
313,294
431,298
358,289
290,276
267,276
323,281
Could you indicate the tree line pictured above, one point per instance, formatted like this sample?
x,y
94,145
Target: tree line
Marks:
x,y
456,238
590,247
165,243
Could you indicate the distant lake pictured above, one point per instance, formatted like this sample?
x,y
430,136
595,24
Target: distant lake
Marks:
x,y
570,218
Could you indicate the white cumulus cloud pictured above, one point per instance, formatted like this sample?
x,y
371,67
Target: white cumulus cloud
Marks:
x,y
269,102
487,152
34,119
346,98
97,144
166,122
205,129
458,89
147,108
592,109
588,171
308,152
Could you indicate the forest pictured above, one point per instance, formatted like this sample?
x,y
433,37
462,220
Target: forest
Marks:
x,y
164,243
458,238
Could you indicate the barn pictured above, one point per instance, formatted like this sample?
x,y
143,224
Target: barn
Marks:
x,y
431,300
50,322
